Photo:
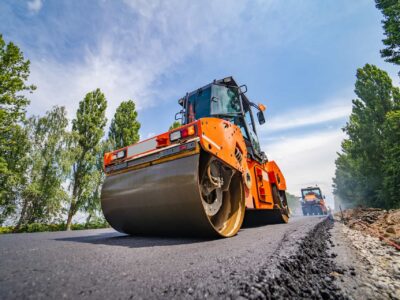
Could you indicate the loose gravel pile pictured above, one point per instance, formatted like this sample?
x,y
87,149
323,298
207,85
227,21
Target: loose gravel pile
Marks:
x,y
380,262
308,274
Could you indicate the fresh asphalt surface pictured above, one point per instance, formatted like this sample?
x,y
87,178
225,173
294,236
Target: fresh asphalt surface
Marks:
x,y
102,263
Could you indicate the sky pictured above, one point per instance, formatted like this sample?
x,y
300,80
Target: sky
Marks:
x,y
297,57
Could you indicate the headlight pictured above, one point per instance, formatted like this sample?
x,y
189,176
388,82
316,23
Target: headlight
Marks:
x,y
119,155
183,133
176,135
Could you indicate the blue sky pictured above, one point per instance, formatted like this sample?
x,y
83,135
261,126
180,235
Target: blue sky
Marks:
x,y
297,57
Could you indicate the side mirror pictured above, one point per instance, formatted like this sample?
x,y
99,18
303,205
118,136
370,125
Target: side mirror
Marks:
x,y
260,117
179,115
242,89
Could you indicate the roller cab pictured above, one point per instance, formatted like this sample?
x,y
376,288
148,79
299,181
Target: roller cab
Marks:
x,y
200,179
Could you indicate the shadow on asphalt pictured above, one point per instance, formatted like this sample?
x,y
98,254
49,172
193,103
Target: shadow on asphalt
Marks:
x,y
260,218
114,239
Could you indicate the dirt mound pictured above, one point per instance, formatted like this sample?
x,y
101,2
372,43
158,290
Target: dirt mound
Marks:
x,y
381,223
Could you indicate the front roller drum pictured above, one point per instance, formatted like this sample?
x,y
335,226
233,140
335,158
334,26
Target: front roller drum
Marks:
x,y
195,196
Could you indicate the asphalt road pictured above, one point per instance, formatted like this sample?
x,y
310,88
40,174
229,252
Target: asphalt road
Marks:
x,y
99,264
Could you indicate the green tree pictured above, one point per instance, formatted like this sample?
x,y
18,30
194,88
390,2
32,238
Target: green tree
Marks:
x,y
359,170
48,166
93,202
391,162
391,27
293,201
14,73
174,125
88,128
124,129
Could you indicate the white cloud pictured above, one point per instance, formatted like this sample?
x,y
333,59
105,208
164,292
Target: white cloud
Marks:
x,y
149,41
328,111
308,159
150,135
127,63
35,5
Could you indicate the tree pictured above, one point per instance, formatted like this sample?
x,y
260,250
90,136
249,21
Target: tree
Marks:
x,y
391,27
359,168
14,73
391,162
92,203
43,195
124,129
293,201
174,125
88,128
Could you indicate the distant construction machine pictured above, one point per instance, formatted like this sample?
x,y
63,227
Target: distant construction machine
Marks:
x,y
313,202
200,179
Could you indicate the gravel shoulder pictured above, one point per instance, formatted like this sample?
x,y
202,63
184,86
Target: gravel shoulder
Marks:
x,y
370,268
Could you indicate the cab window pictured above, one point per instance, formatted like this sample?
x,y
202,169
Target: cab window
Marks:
x,y
225,101
199,104
250,126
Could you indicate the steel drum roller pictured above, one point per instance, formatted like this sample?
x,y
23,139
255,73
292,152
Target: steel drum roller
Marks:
x,y
166,198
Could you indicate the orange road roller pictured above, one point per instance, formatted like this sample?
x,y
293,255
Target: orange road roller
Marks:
x,y
201,179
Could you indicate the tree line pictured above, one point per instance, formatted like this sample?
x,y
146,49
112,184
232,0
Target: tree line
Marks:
x,y
47,170
368,168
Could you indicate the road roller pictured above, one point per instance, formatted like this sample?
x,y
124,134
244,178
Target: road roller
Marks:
x,y
205,178
312,201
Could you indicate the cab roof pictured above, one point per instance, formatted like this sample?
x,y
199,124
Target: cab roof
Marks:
x,y
227,81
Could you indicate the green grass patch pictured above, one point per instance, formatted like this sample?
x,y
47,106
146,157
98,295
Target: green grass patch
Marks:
x,y
39,227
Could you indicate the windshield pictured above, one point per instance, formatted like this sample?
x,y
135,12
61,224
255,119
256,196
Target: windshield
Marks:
x,y
199,104
249,121
225,101
310,192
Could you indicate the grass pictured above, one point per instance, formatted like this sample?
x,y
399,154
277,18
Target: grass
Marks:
x,y
39,227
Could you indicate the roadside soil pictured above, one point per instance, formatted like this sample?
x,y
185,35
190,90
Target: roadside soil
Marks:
x,y
365,244
384,224
368,268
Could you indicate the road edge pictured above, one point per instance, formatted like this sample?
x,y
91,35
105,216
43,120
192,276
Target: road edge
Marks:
x,y
309,271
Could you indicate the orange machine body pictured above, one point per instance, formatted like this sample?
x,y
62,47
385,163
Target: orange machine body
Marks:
x,y
219,137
